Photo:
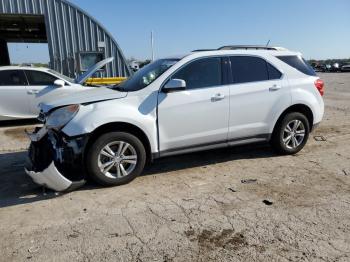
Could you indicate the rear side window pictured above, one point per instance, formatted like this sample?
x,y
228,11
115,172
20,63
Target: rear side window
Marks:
x,y
274,74
37,78
298,63
201,73
247,69
12,78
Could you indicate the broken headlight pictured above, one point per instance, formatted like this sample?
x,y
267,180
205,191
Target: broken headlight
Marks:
x,y
60,117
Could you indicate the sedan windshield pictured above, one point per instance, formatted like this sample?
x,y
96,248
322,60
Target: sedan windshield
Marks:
x,y
147,75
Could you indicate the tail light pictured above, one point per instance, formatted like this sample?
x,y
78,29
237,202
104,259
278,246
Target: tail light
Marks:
x,y
319,84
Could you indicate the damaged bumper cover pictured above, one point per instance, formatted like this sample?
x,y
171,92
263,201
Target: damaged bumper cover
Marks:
x,y
55,161
53,179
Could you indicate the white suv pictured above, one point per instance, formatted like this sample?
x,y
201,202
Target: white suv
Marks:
x,y
208,99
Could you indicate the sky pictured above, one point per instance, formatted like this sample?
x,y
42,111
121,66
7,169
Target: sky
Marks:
x,y
320,29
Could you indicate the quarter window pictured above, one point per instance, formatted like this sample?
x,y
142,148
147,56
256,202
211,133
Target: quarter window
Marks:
x,y
201,73
298,63
37,78
247,69
12,78
273,72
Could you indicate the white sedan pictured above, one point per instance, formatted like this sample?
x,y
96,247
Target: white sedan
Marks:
x,y
22,89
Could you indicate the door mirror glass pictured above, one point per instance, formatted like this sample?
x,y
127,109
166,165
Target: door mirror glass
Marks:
x,y
59,83
174,85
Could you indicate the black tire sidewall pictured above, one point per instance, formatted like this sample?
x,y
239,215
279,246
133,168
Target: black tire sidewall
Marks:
x,y
94,150
278,134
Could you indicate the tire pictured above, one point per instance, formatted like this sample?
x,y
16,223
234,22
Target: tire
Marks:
x,y
298,138
99,158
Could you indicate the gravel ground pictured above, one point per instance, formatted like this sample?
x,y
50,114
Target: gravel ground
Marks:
x,y
193,207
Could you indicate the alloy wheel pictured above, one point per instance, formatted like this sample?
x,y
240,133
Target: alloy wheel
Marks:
x,y
117,159
294,134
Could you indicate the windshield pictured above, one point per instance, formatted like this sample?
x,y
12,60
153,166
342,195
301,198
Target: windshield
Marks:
x,y
147,75
70,80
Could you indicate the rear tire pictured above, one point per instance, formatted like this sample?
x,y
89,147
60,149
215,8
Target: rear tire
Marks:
x,y
291,134
115,159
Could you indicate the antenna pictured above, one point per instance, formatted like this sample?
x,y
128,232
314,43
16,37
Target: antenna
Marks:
x,y
152,45
268,42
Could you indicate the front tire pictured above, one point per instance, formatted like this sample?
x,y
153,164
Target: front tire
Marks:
x,y
291,134
115,159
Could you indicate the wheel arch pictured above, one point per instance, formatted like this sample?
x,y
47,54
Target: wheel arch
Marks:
x,y
300,108
122,127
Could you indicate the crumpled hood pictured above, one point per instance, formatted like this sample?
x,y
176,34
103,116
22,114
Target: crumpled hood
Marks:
x,y
81,97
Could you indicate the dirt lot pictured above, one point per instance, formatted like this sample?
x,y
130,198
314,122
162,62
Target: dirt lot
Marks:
x,y
193,207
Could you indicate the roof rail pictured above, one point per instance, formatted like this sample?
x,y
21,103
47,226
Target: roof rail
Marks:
x,y
203,50
244,47
249,47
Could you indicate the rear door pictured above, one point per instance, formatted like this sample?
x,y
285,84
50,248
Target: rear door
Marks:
x,y
13,95
257,93
197,116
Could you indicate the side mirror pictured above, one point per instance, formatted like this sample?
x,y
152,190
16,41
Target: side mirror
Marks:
x,y
59,83
174,85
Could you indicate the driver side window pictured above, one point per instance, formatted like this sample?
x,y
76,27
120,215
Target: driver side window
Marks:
x,y
37,78
201,73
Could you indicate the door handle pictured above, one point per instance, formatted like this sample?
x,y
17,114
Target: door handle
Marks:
x,y
217,97
275,87
33,92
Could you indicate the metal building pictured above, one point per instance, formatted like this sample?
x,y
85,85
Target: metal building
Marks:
x,y
75,39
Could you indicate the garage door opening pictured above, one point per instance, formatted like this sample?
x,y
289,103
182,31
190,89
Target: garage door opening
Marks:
x,y
23,29
29,54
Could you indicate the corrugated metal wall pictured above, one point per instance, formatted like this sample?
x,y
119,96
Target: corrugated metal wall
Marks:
x,y
70,30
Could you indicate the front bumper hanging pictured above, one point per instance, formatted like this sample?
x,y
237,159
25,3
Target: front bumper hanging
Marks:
x,y
55,161
51,178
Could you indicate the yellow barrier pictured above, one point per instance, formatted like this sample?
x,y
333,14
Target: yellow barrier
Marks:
x,y
105,81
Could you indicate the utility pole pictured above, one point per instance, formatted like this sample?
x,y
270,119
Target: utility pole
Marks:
x,y
152,45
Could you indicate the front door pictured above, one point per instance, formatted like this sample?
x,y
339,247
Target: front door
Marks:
x,y
197,116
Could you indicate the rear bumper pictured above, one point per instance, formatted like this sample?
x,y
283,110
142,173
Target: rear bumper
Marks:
x,y
55,161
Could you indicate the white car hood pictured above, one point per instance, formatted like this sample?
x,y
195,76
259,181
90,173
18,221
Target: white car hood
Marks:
x,y
93,95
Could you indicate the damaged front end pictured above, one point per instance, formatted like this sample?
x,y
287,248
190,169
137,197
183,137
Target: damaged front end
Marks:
x,y
55,160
